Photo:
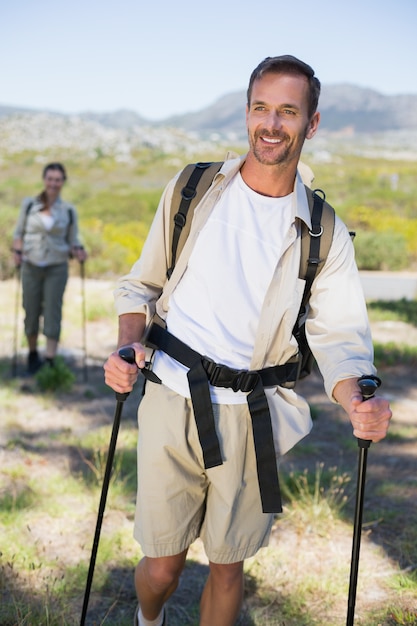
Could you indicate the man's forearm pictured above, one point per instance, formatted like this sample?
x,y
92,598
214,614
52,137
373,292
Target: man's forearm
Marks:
x,y
344,390
131,328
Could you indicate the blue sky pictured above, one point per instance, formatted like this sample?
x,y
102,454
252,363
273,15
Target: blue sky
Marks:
x,y
175,56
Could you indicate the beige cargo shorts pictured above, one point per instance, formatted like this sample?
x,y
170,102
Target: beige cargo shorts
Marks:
x,y
179,500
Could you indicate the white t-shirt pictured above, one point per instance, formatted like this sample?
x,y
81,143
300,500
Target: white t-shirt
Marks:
x,y
48,220
216,307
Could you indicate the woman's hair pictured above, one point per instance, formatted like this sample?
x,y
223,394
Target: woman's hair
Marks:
x,y
287,64
55,166
58,167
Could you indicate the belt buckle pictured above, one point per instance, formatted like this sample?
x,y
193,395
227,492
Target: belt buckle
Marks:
x,y
245,381
212,369
238,380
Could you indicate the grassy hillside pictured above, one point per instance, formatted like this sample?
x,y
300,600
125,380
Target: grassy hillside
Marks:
x,y
116,201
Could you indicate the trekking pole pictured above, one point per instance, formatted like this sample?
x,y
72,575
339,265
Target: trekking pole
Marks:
x,y
84,333
368,386
128,354
16,322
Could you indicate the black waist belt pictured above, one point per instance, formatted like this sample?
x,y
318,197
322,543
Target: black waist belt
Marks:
x,y
203,371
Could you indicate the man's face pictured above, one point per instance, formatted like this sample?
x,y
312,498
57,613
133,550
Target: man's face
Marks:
x,y
277,118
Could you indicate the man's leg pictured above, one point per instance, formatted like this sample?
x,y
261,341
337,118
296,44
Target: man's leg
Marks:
x,y
223,595
156,580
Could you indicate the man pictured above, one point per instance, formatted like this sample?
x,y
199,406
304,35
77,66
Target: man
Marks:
x,y
204,466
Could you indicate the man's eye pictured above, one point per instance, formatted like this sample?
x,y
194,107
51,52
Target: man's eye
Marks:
x,y
289,112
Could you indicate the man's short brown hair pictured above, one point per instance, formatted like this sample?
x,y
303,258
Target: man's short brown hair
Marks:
x,y
288,64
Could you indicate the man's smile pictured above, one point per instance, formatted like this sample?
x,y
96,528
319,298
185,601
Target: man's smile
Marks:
x,y
271,139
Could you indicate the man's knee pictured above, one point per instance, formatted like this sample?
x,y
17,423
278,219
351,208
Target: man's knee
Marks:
x,y
164,572
226,575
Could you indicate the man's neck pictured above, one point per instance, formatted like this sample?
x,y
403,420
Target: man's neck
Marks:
x,y
275,181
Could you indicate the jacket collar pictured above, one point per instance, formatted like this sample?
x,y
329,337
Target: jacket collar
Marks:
x,y
37,206
302,210
232,165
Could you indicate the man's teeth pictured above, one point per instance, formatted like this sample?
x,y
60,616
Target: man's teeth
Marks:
x,y
271,140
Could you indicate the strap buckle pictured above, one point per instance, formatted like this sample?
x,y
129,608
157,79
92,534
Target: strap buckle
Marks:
x,y
188,193
213,369
224,376
245,381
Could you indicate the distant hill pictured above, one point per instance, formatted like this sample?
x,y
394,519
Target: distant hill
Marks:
x,y
343,107
366,110
354,120
123,118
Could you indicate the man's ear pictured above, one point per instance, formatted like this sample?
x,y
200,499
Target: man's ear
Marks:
x,y
313,125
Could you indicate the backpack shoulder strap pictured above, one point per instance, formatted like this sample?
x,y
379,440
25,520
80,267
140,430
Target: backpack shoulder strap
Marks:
x,y
315,246
192,184
27,211
315,243
70,223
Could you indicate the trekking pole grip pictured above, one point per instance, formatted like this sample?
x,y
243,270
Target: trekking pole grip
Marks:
x,y
368,386
128,355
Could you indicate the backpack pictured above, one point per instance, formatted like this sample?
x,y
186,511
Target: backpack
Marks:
x,y
193,182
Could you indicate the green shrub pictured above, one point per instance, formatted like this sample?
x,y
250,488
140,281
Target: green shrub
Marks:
x,y
391,355
381,251
58,377
117,201
112,248
393,310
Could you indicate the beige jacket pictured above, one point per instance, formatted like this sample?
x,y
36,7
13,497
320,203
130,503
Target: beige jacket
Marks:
x,y
337,325
47,247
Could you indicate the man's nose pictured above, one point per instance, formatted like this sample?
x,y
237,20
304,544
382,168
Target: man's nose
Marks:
x,y
274,119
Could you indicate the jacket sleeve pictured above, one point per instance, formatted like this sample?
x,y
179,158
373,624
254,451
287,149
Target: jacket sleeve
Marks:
x,y
337,325
138,291
21,220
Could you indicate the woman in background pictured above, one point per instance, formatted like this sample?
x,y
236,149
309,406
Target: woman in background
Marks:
x,y
45,238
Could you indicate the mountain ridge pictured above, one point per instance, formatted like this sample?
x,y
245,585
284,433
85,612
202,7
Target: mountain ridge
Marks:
x,y
342,106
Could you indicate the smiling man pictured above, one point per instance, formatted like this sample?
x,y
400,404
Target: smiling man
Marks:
x,y
218,411
280,115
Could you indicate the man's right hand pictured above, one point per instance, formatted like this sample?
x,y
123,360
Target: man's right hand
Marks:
x,y
121,375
